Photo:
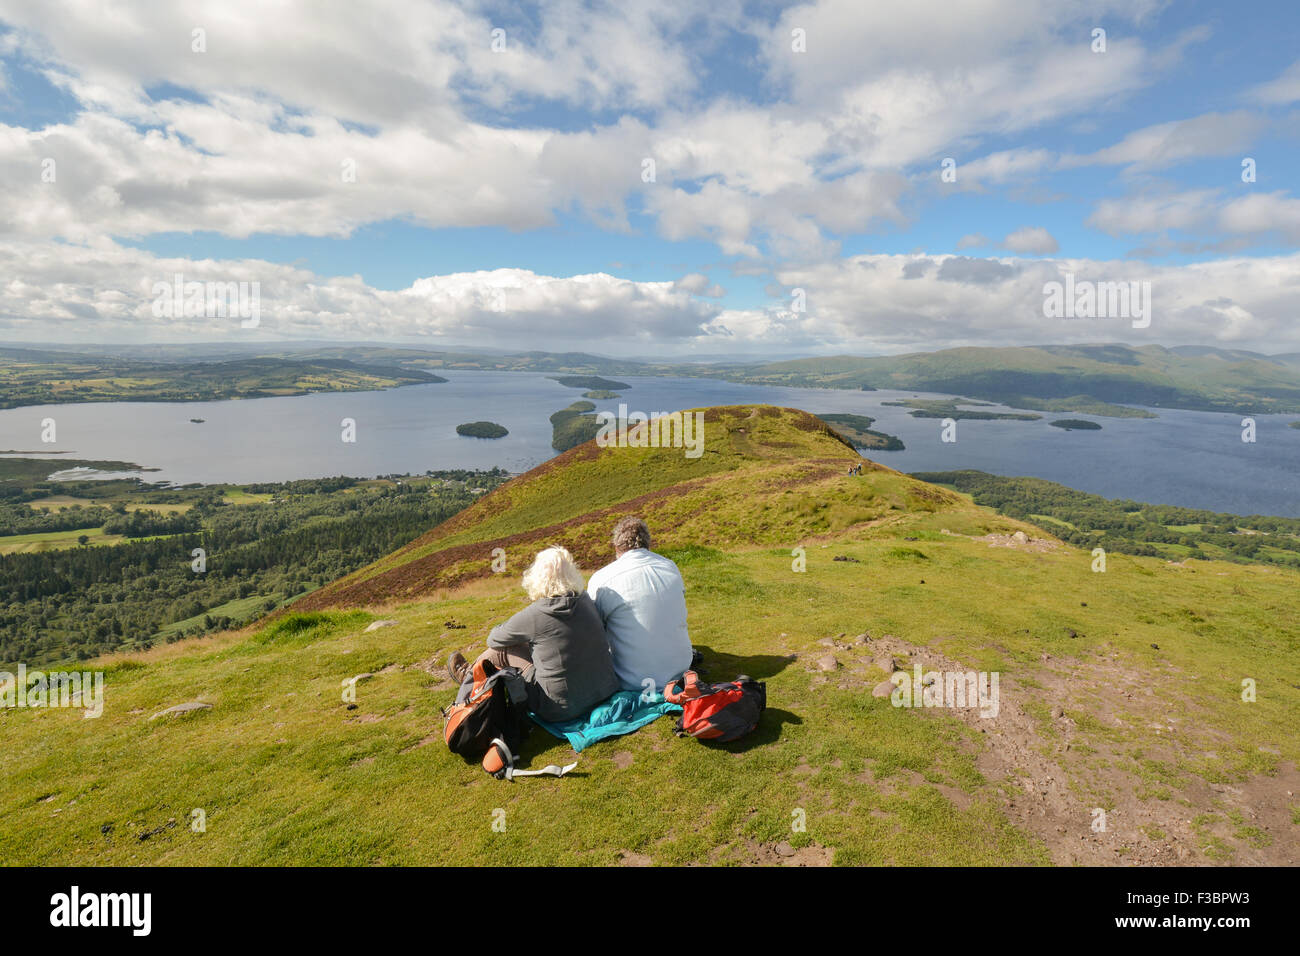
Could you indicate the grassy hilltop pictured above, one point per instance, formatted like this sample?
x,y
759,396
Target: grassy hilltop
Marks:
x,y
1120,691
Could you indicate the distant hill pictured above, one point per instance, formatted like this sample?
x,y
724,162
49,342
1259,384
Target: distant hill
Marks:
x,y
49,377
1088,379
1085,379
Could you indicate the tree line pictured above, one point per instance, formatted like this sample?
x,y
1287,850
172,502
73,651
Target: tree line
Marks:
x,y
1131,527
76,603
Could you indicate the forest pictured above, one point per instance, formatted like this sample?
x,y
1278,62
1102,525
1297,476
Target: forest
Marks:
x,y
1130,527
287,539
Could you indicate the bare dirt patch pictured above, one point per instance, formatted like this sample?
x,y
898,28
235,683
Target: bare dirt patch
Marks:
x,y
1020,542
783,854
1050,777
424,742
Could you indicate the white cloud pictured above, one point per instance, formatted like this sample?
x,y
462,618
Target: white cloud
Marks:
x,y
1261,213
837,151
847,39
697,283
1280,91
1003,167
56,291
1141,214
391,61
867,303
262,150
1206,211
872,303
1032,240
1162,145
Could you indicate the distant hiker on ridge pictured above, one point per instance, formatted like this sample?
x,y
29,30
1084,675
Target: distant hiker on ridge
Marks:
x,y
642,601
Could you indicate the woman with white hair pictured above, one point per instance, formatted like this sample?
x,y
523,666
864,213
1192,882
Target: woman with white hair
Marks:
x,y
558,642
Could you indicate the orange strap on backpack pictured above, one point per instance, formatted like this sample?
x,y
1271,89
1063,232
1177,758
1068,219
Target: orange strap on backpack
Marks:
x,y
687,687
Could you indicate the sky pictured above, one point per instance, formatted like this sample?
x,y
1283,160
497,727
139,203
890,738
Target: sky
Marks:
x,y
654,178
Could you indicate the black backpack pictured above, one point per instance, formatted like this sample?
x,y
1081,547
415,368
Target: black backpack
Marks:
x,y
493,716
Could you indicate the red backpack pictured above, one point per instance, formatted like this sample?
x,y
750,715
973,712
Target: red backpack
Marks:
x,y
716,712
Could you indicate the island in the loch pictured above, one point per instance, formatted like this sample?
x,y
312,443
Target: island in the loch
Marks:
x,y
482,430
1073,424
601,394
857,429
948,408
590,382
574,425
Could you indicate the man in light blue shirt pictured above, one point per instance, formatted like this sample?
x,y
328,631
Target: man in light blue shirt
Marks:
x,y
642,601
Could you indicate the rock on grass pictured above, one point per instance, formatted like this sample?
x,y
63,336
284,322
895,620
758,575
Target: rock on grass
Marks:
x,y
182,709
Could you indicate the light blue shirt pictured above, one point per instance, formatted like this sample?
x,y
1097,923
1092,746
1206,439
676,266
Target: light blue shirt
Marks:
x,y
642,600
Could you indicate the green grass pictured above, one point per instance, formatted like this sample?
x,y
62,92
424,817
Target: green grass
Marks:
x,y
56,540
286,773
237,496
238,609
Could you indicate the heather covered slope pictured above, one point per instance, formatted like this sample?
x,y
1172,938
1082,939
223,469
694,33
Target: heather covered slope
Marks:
x,y
765,476
1119,691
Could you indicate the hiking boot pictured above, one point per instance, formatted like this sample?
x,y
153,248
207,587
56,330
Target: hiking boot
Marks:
x,y
458,667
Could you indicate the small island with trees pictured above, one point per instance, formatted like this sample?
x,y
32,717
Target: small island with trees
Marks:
x,y
1071,424
482,430
574,425
949,408
590,382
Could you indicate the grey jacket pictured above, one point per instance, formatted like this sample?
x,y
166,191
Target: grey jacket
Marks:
x,y
572,667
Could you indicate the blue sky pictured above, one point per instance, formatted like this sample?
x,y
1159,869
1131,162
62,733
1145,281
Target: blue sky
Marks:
x,y
498,191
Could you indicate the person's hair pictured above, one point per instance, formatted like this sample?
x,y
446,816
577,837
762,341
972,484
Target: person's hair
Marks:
x,y
629,534
553,573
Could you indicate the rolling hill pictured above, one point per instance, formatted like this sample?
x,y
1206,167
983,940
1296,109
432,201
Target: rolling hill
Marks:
x,y
1121,693
1088,379
1094,379
29,377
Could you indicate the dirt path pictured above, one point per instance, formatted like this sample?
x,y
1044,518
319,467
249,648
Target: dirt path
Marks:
x,y
1051,777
